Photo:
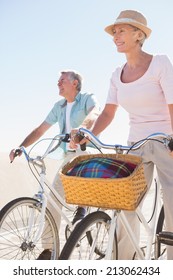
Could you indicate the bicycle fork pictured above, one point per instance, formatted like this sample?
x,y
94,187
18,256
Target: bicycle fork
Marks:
x,y
113,224
41,220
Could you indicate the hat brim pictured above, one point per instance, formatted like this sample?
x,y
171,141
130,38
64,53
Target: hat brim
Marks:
x,y
146,30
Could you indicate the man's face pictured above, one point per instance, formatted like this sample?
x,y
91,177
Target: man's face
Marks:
x,y
65,85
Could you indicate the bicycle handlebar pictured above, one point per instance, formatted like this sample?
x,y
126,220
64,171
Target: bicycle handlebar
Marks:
x,y
167,140
61,137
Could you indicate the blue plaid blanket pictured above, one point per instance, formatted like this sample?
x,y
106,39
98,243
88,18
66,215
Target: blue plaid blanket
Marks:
x,y
102,168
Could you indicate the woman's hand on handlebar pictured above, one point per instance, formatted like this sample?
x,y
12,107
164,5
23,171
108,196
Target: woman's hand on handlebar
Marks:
x,y
78,138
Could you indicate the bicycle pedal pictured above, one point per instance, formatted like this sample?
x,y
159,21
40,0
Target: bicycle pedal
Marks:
x,y
165,237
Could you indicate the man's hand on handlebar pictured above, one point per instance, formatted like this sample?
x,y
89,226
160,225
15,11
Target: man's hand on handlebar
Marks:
x,y
14,153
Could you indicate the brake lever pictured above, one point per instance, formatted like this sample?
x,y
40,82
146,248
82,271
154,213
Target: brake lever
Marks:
x,y
66,138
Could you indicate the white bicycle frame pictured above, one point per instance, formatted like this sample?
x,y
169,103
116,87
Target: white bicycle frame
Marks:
x,y
43,195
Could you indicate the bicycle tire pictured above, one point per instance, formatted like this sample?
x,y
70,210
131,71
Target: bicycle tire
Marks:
x,y
14,242
85,234
159,247
160,222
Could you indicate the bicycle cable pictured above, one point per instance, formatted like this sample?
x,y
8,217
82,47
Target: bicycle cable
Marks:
x,y
44,139
152,139
93,144
155,199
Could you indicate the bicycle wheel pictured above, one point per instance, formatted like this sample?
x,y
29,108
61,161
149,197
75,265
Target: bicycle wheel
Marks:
x,y
16,238
89,239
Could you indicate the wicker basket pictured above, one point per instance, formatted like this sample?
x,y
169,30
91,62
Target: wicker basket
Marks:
x,y
111,193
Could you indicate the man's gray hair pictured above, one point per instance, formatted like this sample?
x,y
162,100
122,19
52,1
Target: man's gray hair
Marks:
x,y
74,76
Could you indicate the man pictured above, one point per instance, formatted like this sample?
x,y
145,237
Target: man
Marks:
x,y
74,110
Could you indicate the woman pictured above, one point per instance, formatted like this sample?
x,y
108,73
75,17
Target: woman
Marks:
x,y
143,86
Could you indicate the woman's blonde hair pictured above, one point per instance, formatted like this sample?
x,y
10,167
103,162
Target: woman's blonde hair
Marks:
x,y
143,36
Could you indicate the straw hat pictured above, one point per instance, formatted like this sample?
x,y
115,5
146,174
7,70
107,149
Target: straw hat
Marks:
x,y
133,18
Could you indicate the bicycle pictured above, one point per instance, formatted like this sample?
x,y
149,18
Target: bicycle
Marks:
x,y
27,227
102,226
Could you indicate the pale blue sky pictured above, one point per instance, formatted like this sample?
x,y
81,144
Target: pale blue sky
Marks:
x,y
39,38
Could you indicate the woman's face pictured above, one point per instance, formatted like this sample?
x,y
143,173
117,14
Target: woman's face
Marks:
x,y
126,37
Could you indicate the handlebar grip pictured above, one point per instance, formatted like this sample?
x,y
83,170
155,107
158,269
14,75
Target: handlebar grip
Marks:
x,y
79,137
83,147
170,145
17,152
